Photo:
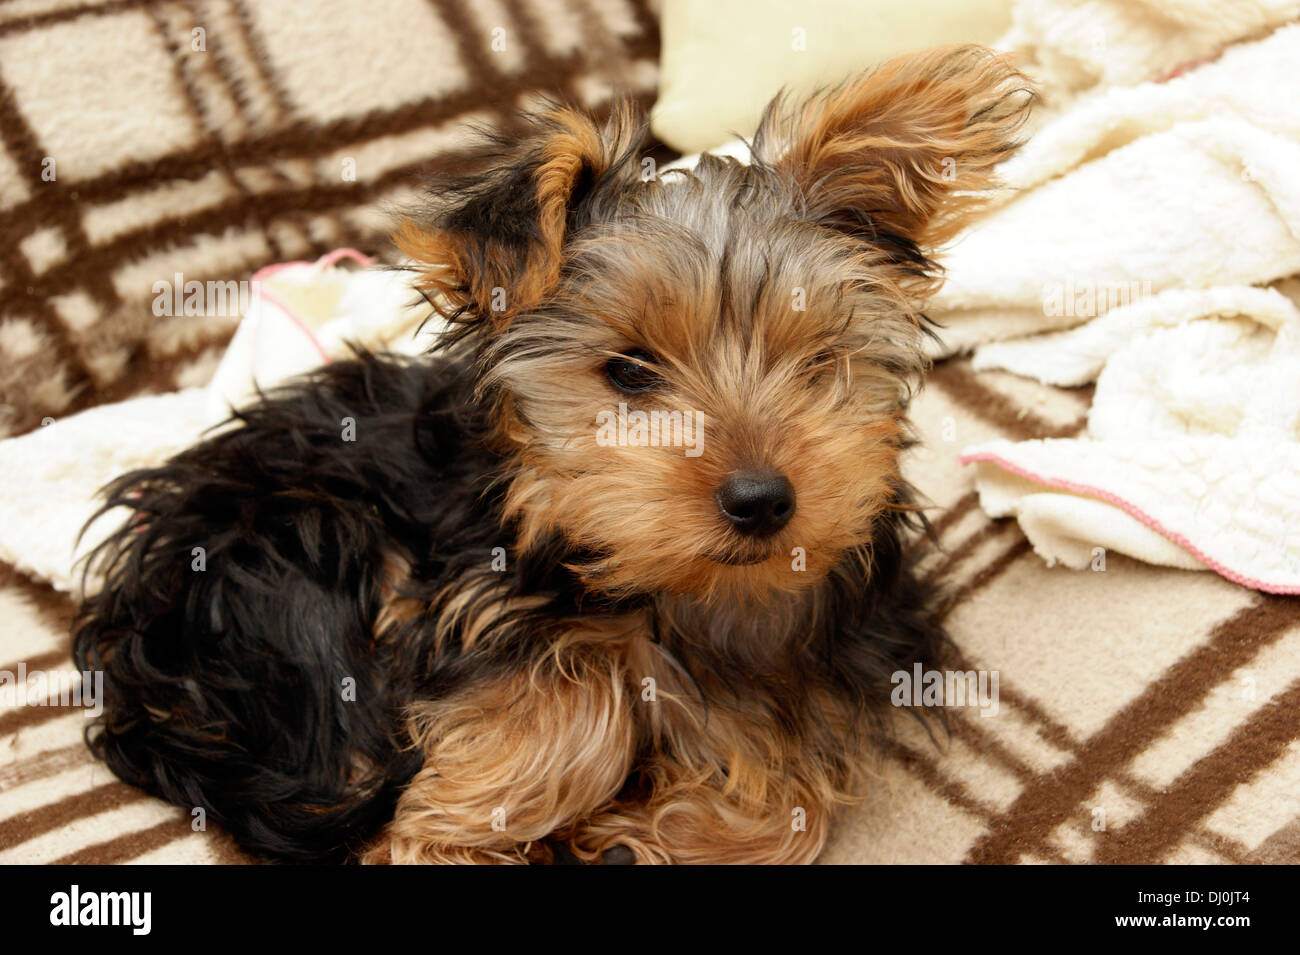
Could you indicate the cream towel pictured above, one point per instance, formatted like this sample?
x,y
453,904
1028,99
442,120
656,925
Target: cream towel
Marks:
x,y
1147,236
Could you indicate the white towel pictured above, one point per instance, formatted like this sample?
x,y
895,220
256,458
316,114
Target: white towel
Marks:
x,y
1148,240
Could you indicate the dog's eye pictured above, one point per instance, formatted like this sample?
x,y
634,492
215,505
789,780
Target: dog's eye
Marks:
x,y
632,373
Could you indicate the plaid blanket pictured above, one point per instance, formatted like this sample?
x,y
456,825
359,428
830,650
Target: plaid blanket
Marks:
x,y
1143,714
207,138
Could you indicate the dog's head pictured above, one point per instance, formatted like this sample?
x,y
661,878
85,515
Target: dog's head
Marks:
x,y
700,377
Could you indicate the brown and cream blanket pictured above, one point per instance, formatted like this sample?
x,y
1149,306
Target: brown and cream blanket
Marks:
x,y
1144,714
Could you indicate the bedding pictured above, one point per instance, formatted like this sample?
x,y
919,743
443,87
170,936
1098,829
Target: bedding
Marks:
x,y
1145,713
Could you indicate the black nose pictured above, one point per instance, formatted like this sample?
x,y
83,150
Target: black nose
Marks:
x,y
757,502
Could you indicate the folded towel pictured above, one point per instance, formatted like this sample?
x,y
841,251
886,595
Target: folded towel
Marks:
x,y
1187,184
1148,240
1192,457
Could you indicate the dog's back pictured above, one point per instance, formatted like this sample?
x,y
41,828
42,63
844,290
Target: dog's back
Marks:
x,y
236,622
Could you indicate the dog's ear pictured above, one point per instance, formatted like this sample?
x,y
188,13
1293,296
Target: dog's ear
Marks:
x,y
892,156
493,244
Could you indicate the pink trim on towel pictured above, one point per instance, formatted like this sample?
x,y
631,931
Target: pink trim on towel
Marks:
x,y
327,260
324,262
1133,511
302,326
1188,67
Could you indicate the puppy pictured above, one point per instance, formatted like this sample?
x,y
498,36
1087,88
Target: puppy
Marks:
x,y
617,571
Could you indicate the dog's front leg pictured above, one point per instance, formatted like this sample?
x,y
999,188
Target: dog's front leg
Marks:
x,y
509,761
725,789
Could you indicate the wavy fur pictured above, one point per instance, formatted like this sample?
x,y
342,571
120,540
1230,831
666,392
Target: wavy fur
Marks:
x,y
473,632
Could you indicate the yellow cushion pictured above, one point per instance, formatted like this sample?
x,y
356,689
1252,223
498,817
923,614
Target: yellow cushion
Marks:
x,y
721,61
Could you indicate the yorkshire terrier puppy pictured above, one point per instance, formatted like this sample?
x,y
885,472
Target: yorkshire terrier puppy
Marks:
x,y
496,626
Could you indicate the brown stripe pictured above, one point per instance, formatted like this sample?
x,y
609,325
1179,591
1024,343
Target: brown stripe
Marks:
x,y
968,729
537,60
964,505
1054,797
53,660
252,40
128,846
49,763
22,292
38,21
922,543
972,731
218,63
955,377
55,608
182,66
1052,731
987,532
480,69
26,717
1281,848
985,576
60,206
954,793
1230,849
1252,747
28,825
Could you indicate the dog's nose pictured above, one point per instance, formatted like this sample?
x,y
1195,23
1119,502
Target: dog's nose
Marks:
x,y
757,503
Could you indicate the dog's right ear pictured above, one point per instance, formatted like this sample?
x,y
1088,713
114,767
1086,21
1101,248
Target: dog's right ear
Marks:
x,y
896,157
494,245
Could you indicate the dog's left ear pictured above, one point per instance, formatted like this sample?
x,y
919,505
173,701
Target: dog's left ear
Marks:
x,y
493,246
892,156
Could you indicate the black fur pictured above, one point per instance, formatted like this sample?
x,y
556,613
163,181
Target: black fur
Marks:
x,y
225,686
237,622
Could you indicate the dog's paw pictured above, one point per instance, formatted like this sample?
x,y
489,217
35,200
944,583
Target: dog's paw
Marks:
x,y
562,854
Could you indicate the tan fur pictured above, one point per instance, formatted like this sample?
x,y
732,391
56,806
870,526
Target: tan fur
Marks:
x,y
527,752
718,785
396,608
914,140
835,435
781,303
569,144
547,753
